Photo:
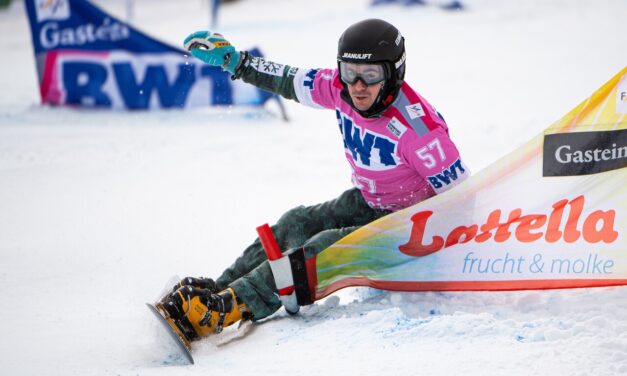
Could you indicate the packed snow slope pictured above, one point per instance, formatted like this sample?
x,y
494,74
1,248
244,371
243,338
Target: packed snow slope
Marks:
x,y
99,209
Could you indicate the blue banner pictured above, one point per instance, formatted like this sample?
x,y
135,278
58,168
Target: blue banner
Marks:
x,y
88,58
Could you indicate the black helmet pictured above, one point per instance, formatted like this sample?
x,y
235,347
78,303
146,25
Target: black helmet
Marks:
x,y
374,41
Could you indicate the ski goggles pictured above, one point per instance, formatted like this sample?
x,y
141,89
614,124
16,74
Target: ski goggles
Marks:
x,y
369,74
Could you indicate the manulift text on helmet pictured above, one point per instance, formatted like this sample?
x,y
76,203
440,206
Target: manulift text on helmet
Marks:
x,y
352,55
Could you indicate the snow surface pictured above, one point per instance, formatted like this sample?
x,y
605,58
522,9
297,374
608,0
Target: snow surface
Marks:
x,y
99,209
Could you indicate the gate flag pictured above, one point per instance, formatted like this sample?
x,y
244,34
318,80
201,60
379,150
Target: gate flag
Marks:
x,y
552,214
86,57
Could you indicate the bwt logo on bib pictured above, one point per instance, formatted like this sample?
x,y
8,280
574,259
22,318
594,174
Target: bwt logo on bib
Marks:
x,y
369,150
58,10
583,153
448,176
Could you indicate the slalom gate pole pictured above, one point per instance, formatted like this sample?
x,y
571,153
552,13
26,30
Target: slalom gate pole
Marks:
x,y
281,269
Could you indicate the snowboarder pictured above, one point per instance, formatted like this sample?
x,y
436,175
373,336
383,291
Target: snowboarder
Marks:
x,y
396,143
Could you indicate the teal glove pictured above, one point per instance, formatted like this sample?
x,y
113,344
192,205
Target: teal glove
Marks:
x,y
213,49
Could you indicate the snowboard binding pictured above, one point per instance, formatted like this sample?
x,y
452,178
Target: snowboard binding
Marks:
x,y
200,282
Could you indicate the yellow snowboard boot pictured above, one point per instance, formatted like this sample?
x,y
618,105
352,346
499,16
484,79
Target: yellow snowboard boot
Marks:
x,y
200,312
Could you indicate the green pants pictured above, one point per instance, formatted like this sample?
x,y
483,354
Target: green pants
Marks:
x,y
314,228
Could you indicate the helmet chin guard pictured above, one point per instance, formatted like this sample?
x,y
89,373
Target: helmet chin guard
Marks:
x,y
374,41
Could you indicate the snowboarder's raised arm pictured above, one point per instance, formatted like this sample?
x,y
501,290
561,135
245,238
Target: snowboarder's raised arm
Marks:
x,y
213,49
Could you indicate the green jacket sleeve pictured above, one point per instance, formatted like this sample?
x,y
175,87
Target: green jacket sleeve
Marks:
x,y
267,75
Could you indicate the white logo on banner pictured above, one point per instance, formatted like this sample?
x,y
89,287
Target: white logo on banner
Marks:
x,y
415,110
52,10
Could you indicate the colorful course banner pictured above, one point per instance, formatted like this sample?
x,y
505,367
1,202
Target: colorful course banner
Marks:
x,y
552,214
88,58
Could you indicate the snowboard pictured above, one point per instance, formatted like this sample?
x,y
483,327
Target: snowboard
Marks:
x,y
179,340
